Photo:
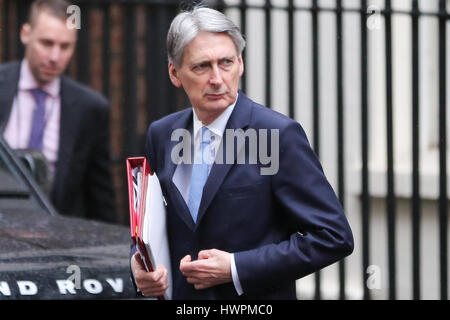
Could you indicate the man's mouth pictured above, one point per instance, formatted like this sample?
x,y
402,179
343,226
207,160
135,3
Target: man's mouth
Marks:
x,y
215,95
50,70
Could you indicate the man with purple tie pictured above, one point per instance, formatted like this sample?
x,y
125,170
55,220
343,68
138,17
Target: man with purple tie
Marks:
x,y
69,123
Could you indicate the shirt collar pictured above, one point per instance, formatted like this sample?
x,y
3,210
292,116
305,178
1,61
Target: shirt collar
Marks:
x,y
28,82
218,125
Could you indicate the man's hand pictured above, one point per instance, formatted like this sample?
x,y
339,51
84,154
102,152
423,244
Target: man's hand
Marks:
x,y
150,283
212,268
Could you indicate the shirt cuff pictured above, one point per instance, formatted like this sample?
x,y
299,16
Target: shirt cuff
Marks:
x,y
235,276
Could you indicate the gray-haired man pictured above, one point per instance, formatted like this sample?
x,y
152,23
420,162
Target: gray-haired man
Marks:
x,y
233,232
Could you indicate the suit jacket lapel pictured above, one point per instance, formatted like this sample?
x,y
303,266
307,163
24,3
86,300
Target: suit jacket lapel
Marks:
x,y
239,119
69,126
9,81
183,122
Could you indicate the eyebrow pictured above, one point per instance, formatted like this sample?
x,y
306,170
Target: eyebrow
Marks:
x,y
229,58
197,63
209,61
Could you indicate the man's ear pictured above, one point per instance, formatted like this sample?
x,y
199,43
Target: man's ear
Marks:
x,y
25,32
241,65
173,74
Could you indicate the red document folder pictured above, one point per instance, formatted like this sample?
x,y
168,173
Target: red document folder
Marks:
x,y
150,240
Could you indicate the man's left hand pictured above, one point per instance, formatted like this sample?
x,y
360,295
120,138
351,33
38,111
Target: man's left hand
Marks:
x,y
212,268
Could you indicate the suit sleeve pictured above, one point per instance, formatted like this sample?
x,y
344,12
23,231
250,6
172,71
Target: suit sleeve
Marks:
x,y
99,182
150,154
322,234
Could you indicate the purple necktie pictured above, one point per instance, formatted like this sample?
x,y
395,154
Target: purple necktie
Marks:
x,y
38,125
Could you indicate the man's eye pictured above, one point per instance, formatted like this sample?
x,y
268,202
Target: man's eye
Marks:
x,y
227,62
200,67
46,43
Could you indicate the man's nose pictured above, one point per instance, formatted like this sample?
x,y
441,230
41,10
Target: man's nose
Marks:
x,y
55,53
215,77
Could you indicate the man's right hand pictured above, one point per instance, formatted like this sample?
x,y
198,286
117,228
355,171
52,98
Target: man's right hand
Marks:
x,y
151,284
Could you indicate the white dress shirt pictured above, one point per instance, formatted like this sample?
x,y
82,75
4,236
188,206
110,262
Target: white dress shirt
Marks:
x,y
182,175
18,129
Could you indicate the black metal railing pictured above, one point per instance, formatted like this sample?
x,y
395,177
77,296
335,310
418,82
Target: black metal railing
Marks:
x,y
387,12
162,98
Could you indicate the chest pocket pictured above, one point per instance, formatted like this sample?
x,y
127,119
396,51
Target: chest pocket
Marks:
x,y
245,191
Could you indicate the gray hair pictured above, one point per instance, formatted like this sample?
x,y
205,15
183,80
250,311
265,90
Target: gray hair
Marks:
x,y
188,24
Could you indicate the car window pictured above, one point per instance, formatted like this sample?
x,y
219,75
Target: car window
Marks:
x,y
18,190
10,184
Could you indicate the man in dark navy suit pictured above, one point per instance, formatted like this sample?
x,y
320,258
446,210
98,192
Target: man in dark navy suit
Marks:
x,y
249,209
69,123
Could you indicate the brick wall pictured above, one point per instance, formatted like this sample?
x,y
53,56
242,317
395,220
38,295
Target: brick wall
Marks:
x,y
116,84
116,96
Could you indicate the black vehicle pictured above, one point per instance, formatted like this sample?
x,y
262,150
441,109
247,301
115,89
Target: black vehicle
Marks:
x,y
44,255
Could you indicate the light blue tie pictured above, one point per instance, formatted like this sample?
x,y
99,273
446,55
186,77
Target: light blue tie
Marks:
x,y
200,170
